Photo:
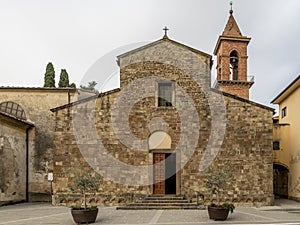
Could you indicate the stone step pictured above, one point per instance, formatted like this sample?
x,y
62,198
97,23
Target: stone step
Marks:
x,y
193,207
163,203
154,197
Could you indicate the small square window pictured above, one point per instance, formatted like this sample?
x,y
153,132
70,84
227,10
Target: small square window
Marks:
x,y
276,145
165,94
283,112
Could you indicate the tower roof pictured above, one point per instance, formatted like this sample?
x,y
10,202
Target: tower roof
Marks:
x,y
232,29
231,32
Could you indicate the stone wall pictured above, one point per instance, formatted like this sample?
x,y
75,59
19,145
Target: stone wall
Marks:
x,y
37,103
76,143
247,145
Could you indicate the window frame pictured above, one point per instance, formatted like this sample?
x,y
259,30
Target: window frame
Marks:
x,y
159,84
276,145
284,112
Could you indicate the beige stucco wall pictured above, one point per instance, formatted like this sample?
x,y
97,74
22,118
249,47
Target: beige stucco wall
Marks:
x,y
12,161
281,134
290,140
37,103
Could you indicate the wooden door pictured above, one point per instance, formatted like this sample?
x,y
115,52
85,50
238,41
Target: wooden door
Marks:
x,y
159,174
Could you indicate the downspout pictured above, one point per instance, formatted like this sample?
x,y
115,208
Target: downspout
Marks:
x,y
27,164
69,101
69,96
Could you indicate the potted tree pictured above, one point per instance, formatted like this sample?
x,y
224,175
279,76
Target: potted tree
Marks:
x,y
85,183
217,179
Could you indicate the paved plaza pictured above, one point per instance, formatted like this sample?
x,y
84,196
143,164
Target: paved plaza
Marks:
x,y
285,212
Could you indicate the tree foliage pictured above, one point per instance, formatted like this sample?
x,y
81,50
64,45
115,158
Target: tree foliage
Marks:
x,y
73,85
91,86
49,78
64,79
87,182
217,178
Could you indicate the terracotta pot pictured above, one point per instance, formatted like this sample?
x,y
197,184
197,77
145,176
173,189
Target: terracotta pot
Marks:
x,y
217,212
84,215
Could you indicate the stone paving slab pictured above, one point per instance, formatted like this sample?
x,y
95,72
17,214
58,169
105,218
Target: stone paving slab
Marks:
x,y
42,213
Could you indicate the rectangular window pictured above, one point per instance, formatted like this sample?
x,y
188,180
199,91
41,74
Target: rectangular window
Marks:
x,y
165,94
283,112
276,145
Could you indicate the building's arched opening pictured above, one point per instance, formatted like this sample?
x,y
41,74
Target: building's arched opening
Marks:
x,y
13,109
234,68
281,174
164,164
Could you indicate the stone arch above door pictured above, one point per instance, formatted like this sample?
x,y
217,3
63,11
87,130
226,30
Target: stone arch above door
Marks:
x,y
159,140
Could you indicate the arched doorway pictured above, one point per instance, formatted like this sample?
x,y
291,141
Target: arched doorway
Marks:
x,y
281,174
164,164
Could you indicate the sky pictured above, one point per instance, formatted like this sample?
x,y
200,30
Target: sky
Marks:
x,y
76,34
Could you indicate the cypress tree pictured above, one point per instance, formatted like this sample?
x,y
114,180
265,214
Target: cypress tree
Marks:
x,y
49,78
63,79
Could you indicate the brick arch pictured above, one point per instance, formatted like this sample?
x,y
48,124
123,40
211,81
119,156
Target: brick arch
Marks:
x,y
234,51
13,109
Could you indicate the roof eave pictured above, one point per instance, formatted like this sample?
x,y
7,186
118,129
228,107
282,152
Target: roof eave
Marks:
x,y
230,38
243,100
279,98
84,100
161,40
20,121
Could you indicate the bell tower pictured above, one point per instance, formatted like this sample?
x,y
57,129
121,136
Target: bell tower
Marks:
x,y
231,52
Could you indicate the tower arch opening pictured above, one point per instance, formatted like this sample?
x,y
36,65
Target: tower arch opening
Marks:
x,y
234,65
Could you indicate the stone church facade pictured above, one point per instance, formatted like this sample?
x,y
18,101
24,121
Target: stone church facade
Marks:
x,y
157,134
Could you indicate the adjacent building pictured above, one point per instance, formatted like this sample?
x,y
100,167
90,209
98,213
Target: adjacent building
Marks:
x,y
26,141
286,142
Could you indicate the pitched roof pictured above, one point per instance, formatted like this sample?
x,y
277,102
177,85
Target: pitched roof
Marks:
x,y
87,99
164,39
38,89
243,99
287,91
12,119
